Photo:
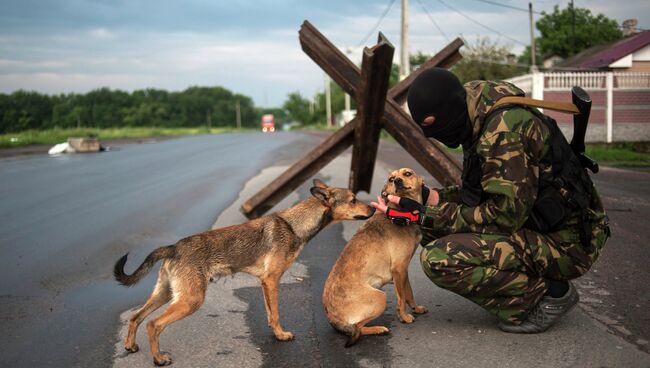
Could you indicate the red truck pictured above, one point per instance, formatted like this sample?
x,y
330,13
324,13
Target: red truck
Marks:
x,y
268,123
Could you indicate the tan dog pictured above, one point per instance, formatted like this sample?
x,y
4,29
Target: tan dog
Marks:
x,y
263,247
379,253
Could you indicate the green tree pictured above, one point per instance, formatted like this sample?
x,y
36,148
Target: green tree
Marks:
x,y
298,108
24,110
486,60
418,59
568,31
106,108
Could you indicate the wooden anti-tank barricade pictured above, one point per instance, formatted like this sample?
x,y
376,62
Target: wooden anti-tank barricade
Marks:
x,y
377,108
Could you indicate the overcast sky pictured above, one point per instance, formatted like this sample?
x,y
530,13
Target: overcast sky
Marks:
x,y
249,47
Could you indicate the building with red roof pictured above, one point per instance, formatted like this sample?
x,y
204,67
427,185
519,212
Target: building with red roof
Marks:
x,y
629,54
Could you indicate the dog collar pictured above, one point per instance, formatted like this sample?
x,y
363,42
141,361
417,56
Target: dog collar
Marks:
x,y
402,218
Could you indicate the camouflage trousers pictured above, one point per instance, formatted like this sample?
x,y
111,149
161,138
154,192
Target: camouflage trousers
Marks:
x,y
506,275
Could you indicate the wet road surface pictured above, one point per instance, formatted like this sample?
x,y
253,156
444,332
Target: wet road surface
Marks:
x,y
65,220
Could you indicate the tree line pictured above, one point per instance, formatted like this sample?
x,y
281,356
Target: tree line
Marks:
x,y
106,108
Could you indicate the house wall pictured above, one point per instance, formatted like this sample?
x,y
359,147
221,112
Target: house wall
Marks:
x,y
630,106
639,66
630,92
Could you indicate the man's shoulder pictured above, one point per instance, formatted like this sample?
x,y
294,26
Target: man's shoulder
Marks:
x,y
514,119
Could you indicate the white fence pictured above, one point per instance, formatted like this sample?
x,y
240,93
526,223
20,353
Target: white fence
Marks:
x,y
536,83
632,80
563,81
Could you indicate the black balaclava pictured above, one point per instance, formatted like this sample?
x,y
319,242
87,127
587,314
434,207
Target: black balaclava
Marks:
x,y
437,92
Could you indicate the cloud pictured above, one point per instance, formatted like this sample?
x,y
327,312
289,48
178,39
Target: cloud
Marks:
x,y
102,34
250,47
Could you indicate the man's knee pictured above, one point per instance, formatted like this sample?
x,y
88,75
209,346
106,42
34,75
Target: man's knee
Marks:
x,y
452,260
440,262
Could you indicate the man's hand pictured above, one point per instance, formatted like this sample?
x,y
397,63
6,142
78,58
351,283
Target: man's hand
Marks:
x,y
381,205
409,212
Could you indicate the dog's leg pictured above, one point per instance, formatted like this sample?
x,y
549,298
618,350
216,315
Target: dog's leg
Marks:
x,y
270,289
373,306
160,295
374,330
399,279
410,299
188,300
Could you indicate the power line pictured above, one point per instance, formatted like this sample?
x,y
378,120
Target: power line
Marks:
x,y
507,6
481,24
381,18
426,11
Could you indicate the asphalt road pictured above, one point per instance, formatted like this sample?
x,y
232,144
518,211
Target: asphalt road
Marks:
x,y
65,220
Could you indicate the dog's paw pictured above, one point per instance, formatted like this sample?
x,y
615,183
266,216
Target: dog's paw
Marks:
x,y
420,309
406,318
132,349
162,360
382,330
284,336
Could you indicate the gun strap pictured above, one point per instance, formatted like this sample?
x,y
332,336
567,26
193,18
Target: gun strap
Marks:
x,y
565,107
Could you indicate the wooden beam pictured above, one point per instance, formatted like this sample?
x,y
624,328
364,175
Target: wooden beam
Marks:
x,y
371,98
299,172
343,71
431,155
427,152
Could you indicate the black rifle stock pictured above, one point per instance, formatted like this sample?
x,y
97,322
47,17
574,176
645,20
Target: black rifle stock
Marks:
x,y
582,100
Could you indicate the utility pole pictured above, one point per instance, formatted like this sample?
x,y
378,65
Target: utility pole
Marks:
x,y
346,113
238,113
573,27
533,50
405,65
328,101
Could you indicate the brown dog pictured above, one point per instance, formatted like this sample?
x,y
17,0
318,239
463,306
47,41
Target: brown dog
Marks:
x,y
379,253
263,247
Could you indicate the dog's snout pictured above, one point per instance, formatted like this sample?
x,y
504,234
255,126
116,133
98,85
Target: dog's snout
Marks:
x,y
399,182
361,217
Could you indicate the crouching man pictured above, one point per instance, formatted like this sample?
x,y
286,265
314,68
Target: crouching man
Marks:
x,y
527,218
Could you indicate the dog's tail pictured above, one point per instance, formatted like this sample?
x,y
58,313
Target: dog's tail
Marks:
x,y
354,334
152,258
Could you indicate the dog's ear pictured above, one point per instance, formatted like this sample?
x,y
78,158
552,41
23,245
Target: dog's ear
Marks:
x,y
319,184
321,193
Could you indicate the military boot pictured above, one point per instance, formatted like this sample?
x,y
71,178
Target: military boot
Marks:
x,y
545,313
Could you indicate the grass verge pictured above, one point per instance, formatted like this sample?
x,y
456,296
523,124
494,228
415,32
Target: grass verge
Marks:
x,y
632,154
54,136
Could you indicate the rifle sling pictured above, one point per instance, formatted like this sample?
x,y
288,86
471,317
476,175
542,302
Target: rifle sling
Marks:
x,y
565,107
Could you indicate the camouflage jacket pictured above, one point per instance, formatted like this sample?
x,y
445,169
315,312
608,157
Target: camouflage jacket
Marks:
x,y
511,145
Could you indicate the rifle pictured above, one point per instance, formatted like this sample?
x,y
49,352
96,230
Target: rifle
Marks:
x,y
580,108
582,100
